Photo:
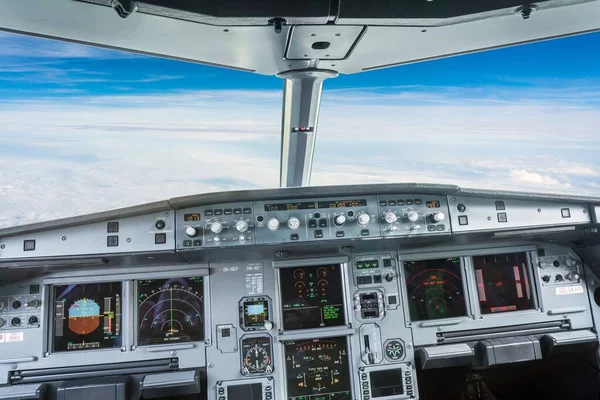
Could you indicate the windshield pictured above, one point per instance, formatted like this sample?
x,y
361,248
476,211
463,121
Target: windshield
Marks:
x,y
85,129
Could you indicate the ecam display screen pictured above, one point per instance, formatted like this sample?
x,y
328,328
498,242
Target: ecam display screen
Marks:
x,y
312,297
386,383
87,316
503,283
317,369
435,289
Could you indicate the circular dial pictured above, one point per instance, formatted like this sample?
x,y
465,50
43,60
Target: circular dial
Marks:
x,y
437,217
170,310
273,224
412,216
256,353
241,225
363,218
339,220
390,217
191,231
216,227
293,223
394,350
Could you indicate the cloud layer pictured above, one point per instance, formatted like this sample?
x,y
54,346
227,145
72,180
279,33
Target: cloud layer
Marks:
x,y
79,154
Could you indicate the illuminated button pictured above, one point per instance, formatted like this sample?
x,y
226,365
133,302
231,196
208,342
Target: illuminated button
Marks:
x,y
431,228
197,242
502,217
382,203
387,262
218,212
160,238
29,245
318,233
392,300
312,223
323,223
226,332
364,232
376,278
247,211
237,211
392,203
565,212
418,202
500,206
340,234
187,243
294,236
112,227
208,213
463,220
360,280
400,202
273,224
293,223
408,202
440,228
228,211
112,241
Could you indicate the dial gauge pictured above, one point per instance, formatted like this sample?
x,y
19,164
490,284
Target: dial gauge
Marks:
x,y
256,355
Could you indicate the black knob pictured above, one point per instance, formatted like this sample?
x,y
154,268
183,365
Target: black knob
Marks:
x,y
556,263
16,321
16,304
558,278
546,278
461,208
160,224
33,320
389,277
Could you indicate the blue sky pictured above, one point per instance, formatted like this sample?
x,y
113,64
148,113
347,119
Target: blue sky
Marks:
x,y
100,129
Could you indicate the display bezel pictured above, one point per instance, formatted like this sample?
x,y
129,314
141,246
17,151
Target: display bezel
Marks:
x,y
531,276
135,309
51,296
257,336
242,320
465,287
350,355
343,264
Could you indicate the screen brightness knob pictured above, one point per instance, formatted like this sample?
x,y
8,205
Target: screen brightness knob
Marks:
x,y
191,231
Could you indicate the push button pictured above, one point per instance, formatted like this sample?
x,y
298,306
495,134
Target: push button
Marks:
x,y
323,223
502,217
463,220
368,280
364,232
29,245
112,227
376,278
160,238
318,234
312,223
112,241
294,236
565,212
237,211
339,234
500,206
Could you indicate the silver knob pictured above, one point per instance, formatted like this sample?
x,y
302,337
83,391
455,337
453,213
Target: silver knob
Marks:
x,y
268,325
412,216
390,217
242,238
438,217
216,227
339,220
571,263
273,224
241,225
573,276
363,218
191,231
293,223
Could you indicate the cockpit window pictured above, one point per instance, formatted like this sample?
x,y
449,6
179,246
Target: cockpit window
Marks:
x,y
84,129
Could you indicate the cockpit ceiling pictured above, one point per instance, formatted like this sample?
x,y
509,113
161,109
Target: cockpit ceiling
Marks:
x,y
241,35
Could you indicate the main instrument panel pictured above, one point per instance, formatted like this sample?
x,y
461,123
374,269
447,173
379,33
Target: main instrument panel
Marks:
x,y
377,291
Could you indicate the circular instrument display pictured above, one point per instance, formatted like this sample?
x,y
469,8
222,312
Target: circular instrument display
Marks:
x,y
170,310
394,350
434,289
256,353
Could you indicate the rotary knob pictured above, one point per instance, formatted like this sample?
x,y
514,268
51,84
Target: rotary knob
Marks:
x,y
573,276
216,227
273,224
412,216
437,217
241,225
293,223
191,231
339,220
268,325
363,218
33,303
571,263
390,217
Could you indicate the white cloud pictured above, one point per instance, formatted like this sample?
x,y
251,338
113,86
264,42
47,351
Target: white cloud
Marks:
x,y
80,154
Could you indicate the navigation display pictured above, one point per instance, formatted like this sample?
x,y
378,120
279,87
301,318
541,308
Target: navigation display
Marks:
x,y
170,310
503,283
312,297
87,316
317,369
434,289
